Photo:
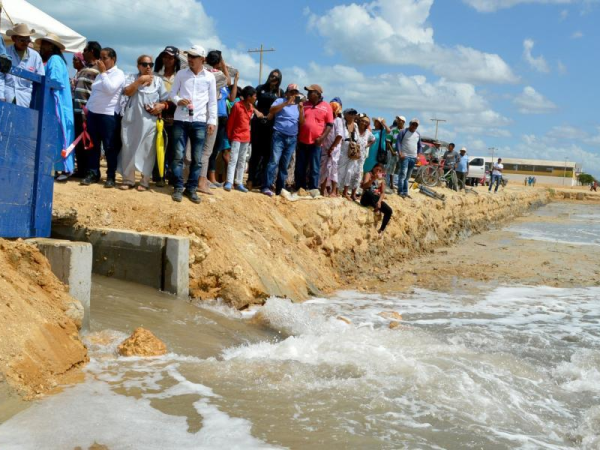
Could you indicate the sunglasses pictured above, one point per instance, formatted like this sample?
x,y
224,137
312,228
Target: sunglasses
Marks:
x,y
147,64
23,39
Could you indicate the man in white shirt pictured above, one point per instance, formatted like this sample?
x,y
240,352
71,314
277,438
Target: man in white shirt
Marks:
x,y
195,94
408,145
496,175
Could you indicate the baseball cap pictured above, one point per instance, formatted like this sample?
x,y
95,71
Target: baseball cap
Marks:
x,y
414,121
337,100
464,149
350,111
292,87
402,118
314,87
196,50
170,50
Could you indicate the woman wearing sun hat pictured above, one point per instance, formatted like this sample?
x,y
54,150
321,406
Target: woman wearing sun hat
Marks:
x,y
51,49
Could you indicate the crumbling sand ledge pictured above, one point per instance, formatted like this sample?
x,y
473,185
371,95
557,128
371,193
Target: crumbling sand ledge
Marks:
x,y
247,247
39,340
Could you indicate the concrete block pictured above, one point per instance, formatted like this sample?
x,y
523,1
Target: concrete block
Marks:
x,y
71,262
156,260
177,267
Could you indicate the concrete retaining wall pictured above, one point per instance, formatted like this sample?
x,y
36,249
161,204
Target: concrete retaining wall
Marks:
x,y
156,260
71,262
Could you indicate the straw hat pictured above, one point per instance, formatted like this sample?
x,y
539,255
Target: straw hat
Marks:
x,y
20,29
53,39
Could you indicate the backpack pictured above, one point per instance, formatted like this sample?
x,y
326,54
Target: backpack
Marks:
x,y
382,153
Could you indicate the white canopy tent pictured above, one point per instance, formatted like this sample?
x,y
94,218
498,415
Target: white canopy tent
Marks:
x,y
20,11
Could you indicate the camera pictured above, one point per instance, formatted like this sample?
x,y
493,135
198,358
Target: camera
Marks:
x,y
297,100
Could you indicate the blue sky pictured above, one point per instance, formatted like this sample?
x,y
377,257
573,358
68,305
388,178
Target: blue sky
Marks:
x,y
518,75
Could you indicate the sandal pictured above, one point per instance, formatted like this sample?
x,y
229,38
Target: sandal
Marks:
x,y
125,187
141,188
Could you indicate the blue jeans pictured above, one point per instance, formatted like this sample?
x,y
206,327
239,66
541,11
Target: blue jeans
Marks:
x,y
282,149
307,156
406,167
196,132
104,133
495,179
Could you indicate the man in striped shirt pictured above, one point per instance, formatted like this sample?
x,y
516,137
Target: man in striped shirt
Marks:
x,y
83,90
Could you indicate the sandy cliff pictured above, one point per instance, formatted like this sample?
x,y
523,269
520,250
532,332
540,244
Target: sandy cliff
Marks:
x,y
247,247
39,321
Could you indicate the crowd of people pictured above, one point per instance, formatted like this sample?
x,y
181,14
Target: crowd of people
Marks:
x,y
210,125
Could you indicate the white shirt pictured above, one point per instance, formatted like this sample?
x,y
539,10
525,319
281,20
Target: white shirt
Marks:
x,y
410,143
496,167
106,92
201,89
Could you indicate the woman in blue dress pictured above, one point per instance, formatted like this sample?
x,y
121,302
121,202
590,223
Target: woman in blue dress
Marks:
x,y
51,49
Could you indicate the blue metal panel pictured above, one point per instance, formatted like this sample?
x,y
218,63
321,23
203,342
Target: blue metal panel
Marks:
x,y
27,154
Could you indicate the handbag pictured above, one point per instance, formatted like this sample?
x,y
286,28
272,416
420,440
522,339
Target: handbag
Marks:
x,y
353,147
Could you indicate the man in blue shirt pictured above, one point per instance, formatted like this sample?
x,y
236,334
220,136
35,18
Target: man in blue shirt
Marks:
x,y
462,168
15,89
286,112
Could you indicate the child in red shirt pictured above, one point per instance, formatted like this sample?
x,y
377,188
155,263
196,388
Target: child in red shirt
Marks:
x,y
238,132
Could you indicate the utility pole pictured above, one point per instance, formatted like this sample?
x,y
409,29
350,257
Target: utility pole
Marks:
x,y
565,171
261,50
437,122
492,149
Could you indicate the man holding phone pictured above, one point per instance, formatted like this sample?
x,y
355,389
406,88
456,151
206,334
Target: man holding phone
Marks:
x,y
286,115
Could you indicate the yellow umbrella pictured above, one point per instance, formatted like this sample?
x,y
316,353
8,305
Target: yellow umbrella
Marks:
x,y
160,147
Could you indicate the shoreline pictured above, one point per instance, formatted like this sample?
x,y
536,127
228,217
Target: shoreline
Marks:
x,y
245,248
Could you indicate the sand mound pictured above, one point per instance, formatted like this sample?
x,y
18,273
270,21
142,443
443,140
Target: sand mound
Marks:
x,y
142,343
39,321
248,247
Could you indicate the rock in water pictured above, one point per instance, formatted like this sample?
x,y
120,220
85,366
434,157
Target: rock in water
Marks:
x,y
393,315
142,343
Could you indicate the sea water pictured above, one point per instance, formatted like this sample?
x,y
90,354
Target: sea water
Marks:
x,y
515,367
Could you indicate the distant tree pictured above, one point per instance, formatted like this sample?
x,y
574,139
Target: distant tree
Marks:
x,y
585,179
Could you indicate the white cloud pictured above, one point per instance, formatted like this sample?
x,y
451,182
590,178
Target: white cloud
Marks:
x,y
538,63
562,69
564,14
487,6
532,102
394,32
146,27
577,35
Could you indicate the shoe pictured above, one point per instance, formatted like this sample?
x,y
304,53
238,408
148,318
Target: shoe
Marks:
x,y
90,179
63,177
407,196
267,192
109,183
241,188
227,187
215,185
177,195
192,195
160,183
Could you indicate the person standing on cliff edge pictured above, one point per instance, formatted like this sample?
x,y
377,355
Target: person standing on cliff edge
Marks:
x,y
408,146
496,175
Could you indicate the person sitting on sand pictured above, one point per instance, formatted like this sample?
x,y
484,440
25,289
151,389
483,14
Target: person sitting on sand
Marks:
x,y
373,186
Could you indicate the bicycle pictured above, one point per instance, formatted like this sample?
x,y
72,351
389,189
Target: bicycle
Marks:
x,y
427,175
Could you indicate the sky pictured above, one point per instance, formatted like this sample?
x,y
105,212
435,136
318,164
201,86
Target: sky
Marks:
x,y
516,75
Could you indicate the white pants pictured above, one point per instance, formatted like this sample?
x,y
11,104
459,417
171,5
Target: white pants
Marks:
x,y
237,162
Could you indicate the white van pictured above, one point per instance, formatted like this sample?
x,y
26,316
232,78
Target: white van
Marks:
x,y
476,167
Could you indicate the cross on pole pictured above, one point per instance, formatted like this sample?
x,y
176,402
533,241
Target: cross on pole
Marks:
x,y
261,50
437,122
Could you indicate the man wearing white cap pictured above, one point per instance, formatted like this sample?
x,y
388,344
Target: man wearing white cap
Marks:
x,y
15,89
392,166
408,147
195,94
